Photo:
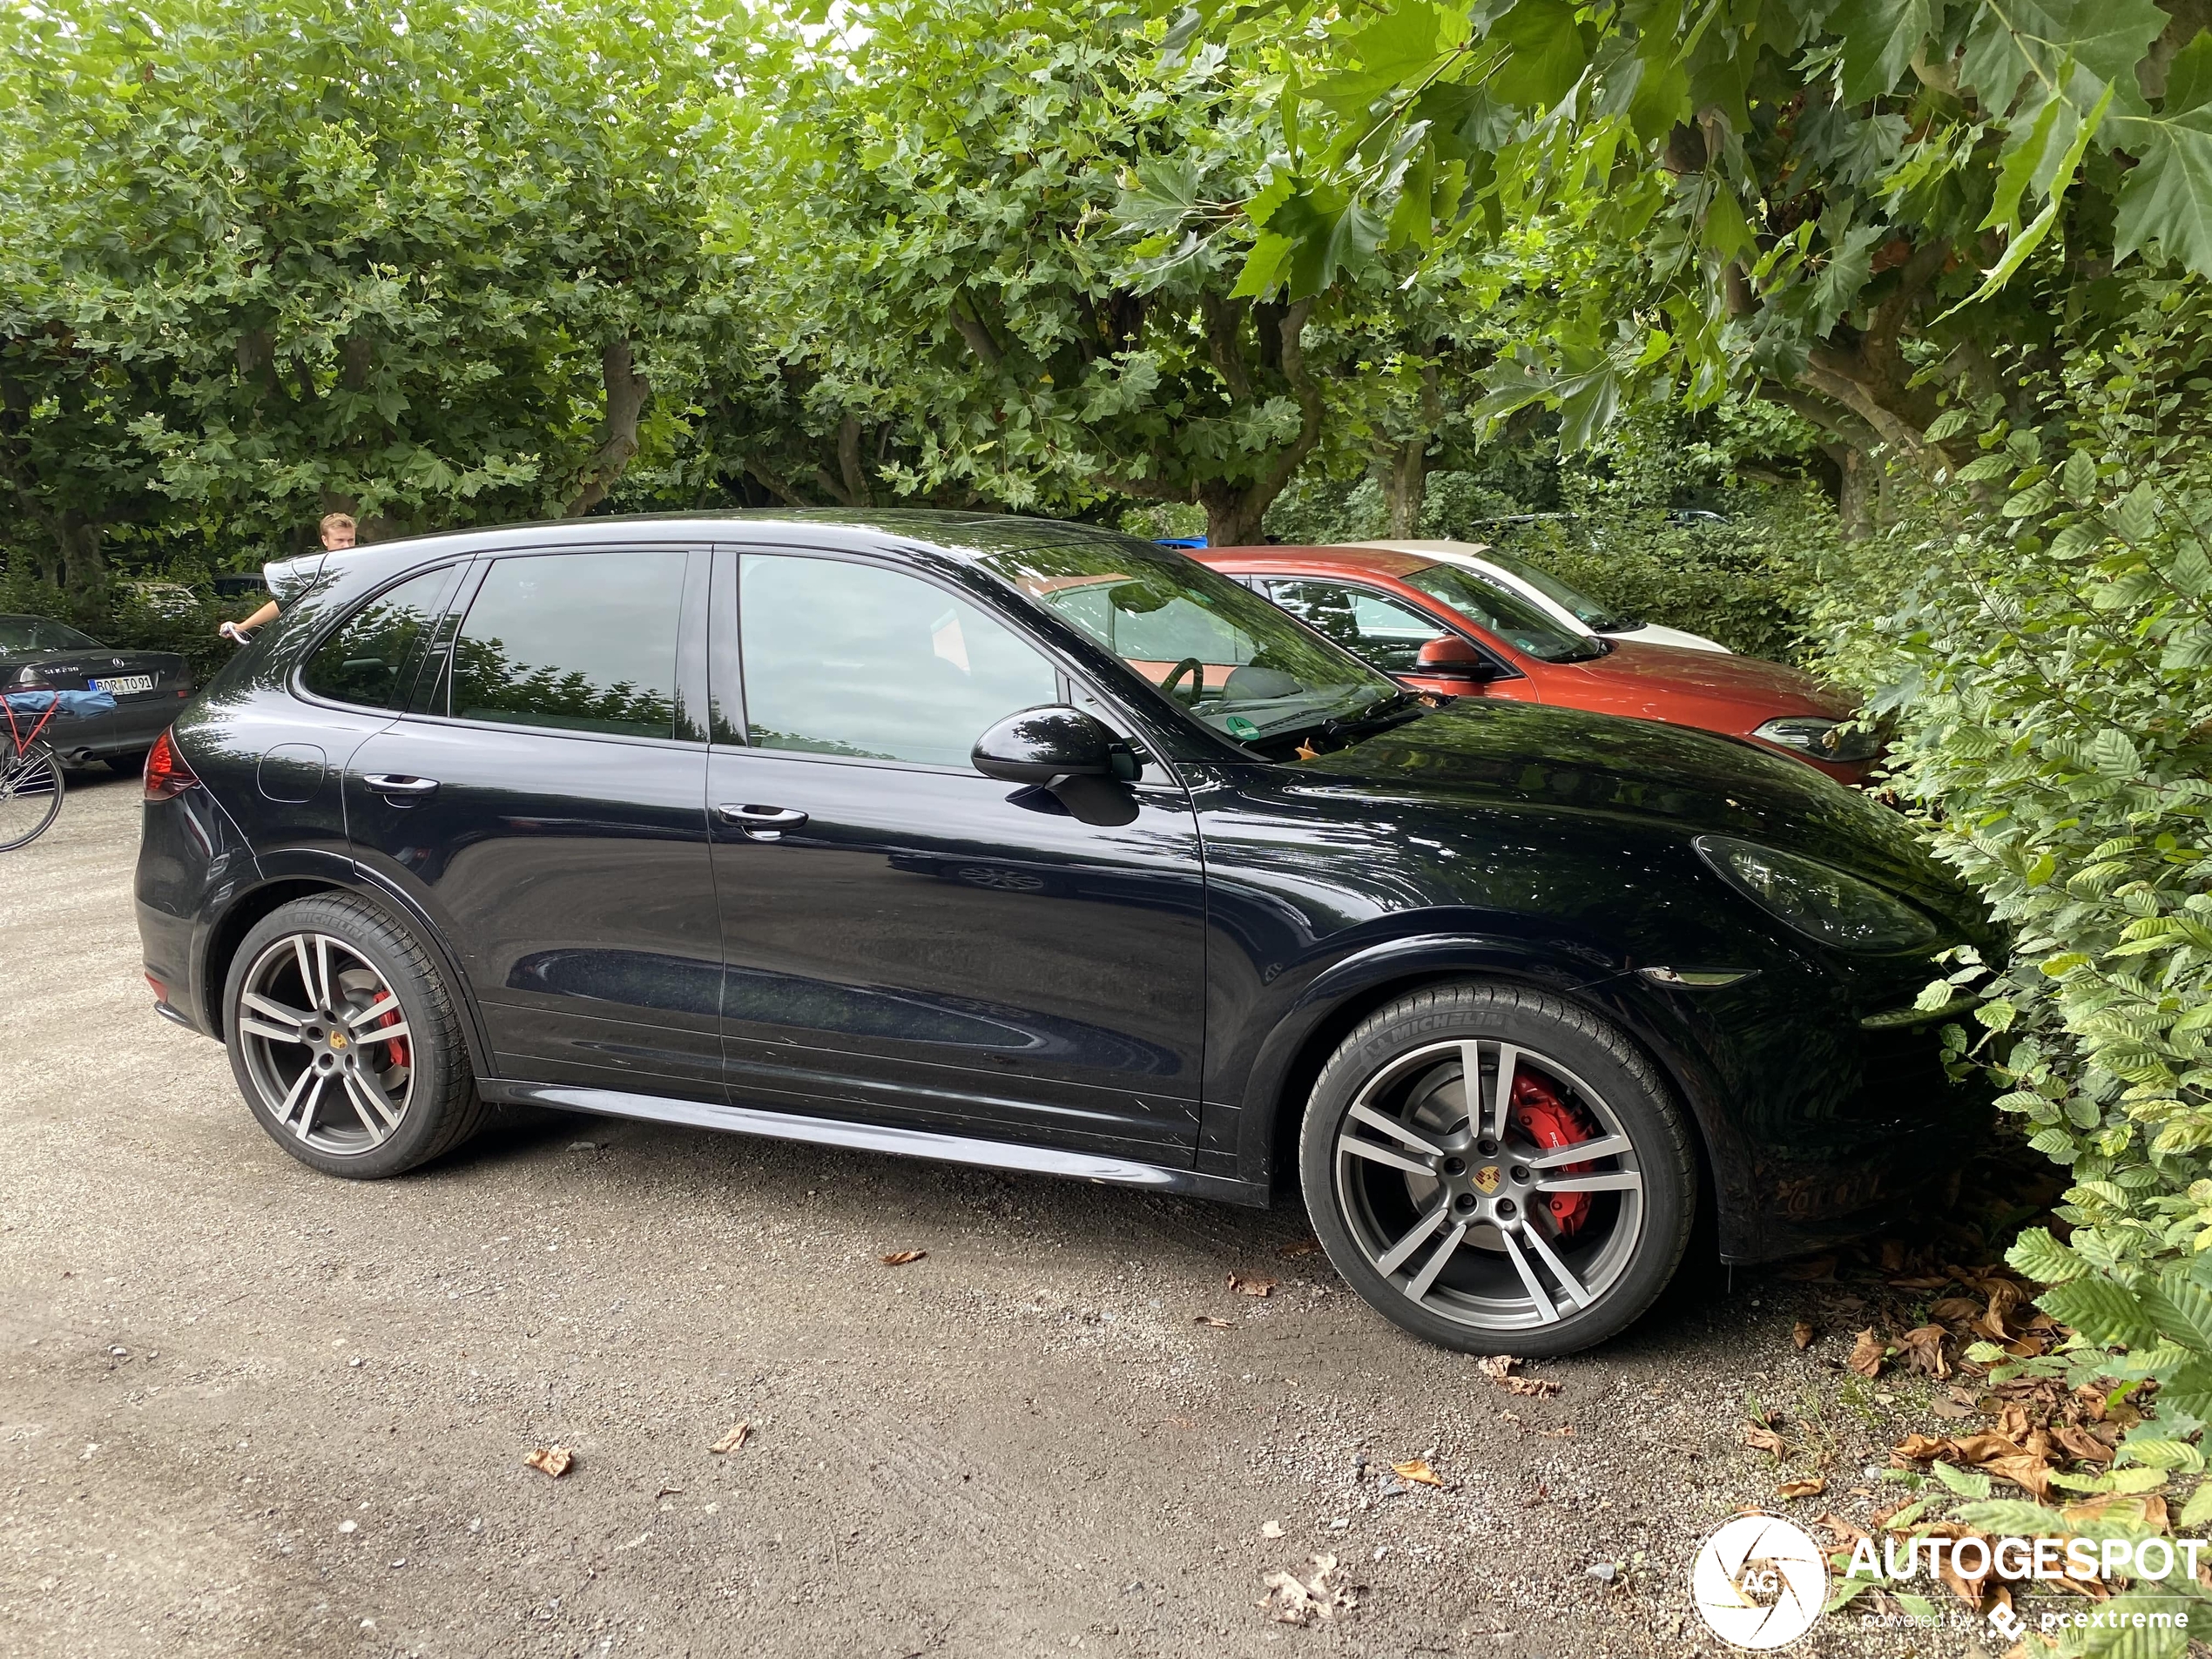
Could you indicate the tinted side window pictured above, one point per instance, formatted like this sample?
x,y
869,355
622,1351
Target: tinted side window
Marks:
x,y
850,659
577,642
1386,632
369,660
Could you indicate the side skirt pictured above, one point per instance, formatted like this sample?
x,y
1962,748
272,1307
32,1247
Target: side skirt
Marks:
x,y
874,1137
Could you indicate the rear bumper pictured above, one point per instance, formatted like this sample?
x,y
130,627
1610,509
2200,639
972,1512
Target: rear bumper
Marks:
x,y
189,860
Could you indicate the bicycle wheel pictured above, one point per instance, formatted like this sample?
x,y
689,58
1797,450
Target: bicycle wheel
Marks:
x,y
31,794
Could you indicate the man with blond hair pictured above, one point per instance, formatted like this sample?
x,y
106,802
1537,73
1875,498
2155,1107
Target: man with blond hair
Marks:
x,y
337,532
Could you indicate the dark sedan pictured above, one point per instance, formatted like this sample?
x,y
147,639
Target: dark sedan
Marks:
x,y
1032,845
38,654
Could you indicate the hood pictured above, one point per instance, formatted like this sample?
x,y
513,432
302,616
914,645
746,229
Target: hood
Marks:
x,y
1772,688
1669,777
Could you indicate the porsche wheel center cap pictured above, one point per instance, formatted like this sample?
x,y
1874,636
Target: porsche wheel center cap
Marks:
x,y
1486,1179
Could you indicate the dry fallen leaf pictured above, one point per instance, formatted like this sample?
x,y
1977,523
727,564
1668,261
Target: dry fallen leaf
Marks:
x,y
550,1459
733,1439
1955,1309
1208,1320
1301,1247
1922,1349
900,1258
1816,1267
1810,1487
1867,1353
1918,1448
1944,1406
1801,1333
1498,1367
1290,1601
1760,1438
1252,1285
1892,1252
1418,1470
1271,1530
1307,751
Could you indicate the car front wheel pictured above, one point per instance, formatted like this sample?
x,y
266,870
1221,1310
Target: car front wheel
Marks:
x,y
344,1041
1498,1170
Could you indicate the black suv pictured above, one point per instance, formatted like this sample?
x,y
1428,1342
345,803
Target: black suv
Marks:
x,y
1033,846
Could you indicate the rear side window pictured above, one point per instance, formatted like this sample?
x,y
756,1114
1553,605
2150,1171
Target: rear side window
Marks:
x,y
851,659
370,661
573,641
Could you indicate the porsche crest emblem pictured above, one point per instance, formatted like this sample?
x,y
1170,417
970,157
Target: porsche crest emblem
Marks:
x,y
1486,1179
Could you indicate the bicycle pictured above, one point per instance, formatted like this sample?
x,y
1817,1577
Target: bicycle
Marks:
x,y
32,784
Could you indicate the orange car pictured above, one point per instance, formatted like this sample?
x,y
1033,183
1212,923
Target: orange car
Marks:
x,y
1444,628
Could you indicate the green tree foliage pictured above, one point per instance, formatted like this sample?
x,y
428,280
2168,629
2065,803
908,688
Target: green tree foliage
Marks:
x,y
260,261
963,219
1830,203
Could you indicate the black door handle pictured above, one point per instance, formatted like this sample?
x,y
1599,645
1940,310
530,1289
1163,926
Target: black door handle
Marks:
x,y
763,823
399,790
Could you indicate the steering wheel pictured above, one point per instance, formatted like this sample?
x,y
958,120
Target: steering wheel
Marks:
x,y
1188,665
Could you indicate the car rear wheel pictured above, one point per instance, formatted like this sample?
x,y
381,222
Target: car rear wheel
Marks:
x,y
345,1040
1498,1170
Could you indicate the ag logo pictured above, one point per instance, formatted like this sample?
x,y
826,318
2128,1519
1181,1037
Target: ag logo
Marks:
x,y
1485,1178
1759,1583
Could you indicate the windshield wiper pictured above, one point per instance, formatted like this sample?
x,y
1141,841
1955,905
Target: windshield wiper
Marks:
x,y
1391,710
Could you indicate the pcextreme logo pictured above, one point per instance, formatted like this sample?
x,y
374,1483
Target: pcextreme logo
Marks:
x,y
1759,1583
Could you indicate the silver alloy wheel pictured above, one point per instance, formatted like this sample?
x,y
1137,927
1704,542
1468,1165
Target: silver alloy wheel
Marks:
x,y
326,1043
1449,1202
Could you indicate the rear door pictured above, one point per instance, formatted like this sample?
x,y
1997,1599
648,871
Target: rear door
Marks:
x,y
908,940
543,800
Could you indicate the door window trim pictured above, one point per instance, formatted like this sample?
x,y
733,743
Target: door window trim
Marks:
x,y
691,689
728,659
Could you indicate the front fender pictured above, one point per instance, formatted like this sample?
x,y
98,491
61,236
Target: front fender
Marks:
x,y
1244,1139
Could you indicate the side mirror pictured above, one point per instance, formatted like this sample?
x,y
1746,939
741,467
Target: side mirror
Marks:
x,y
1041,745
1450,657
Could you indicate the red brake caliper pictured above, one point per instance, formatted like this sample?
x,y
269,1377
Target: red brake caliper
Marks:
x,y
1541,1117
398,1045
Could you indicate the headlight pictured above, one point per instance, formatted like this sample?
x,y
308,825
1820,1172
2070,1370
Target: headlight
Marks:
x,y
1821,902
1823,738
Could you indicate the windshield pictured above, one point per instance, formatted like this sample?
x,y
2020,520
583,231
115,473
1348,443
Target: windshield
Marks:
x,y
1211,646
1490,605
1587,611
42,633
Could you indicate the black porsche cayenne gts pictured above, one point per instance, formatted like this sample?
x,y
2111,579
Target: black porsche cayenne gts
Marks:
x,y
1029,845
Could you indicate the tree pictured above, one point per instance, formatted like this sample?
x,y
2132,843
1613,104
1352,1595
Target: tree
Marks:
x,y
1853,208
935,216
264,261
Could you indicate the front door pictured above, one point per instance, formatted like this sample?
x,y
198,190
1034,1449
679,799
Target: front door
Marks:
x,y
908,940
544,800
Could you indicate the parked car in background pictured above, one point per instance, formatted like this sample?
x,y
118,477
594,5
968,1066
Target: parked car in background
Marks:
x,y
164,599
38,654
1438,626
239,584
1031,846
1567,605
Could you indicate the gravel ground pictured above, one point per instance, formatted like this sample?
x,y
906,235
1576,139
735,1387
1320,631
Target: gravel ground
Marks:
x,y
248,1409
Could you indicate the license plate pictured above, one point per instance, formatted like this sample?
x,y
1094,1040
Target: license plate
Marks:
x,y
125,685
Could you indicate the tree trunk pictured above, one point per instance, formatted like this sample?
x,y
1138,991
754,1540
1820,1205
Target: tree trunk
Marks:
x,y
1233,516
857,493
83,560
627,391
1405,486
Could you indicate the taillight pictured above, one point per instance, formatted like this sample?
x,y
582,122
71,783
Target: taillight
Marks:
x,y
167,776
